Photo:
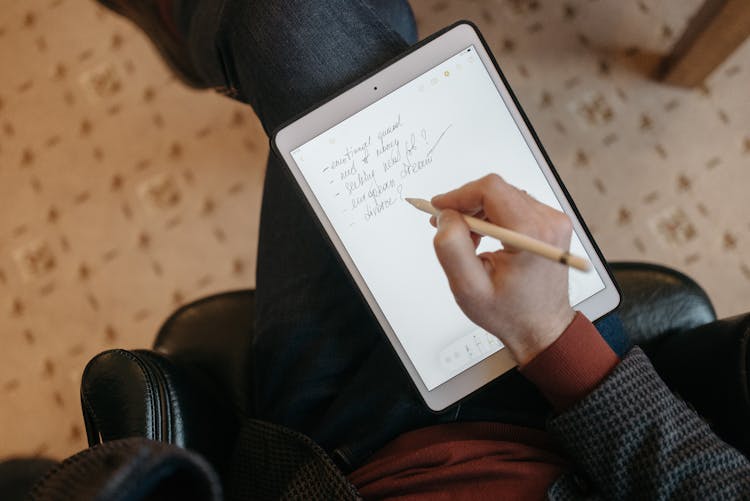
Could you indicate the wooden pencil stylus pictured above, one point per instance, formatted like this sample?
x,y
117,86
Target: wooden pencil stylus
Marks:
x,y
512,238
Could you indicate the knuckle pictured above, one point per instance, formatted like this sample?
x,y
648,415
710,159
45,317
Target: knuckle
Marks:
x,y
562,223
439,241
548,234
444,238
493,181
555,227
566,225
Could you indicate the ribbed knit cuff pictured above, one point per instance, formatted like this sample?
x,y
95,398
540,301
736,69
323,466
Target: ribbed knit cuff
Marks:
x,y
572,366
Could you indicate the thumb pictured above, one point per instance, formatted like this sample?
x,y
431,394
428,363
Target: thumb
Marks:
x,y
455,251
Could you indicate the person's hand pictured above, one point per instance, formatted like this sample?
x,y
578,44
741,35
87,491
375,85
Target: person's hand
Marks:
x,y
517,296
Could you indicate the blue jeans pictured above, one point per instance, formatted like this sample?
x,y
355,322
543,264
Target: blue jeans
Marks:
x,y
321,364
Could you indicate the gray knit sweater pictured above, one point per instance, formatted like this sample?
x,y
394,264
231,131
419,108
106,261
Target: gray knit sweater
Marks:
x,y
632,438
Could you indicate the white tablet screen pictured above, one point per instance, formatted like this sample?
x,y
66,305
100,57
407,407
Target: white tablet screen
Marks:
x,y
435,133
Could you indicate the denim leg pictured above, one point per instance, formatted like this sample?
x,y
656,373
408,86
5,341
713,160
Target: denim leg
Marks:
x,y
321,364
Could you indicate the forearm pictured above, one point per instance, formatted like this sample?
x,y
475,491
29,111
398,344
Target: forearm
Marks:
x,y
633,437
624,429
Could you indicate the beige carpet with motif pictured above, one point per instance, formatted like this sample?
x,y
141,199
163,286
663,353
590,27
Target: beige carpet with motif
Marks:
x,y
124,194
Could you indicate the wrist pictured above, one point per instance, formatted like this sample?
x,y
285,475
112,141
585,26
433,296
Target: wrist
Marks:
x,y
534,339
573,365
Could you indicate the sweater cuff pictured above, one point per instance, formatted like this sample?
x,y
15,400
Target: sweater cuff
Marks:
x,y
572,366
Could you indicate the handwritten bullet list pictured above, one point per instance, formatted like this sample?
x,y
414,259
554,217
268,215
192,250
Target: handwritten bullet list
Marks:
x,y
370,174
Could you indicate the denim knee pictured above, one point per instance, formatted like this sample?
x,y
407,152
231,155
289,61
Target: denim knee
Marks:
x,y
282,57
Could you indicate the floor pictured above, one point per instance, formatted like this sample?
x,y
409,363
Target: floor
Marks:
x,y
125,194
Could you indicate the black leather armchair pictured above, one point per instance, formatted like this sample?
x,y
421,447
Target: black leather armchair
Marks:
x,y
193,388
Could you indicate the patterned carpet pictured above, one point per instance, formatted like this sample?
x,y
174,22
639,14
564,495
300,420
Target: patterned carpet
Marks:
x,y
125,195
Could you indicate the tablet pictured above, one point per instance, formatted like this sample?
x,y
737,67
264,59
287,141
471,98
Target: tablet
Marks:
x,y
437,117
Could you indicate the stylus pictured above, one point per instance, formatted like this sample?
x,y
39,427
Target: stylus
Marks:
x,y
512,238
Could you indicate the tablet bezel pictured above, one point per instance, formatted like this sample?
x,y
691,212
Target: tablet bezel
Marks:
x,y
418,60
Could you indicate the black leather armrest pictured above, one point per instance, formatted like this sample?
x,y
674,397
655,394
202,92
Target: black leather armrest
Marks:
x,y
189,391
144,394
708,367
120,397
658,301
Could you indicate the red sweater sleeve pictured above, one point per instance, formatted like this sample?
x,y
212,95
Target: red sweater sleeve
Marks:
x,y
572,366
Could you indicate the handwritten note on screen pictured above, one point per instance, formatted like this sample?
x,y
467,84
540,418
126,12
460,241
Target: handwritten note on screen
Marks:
x,y
437,132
